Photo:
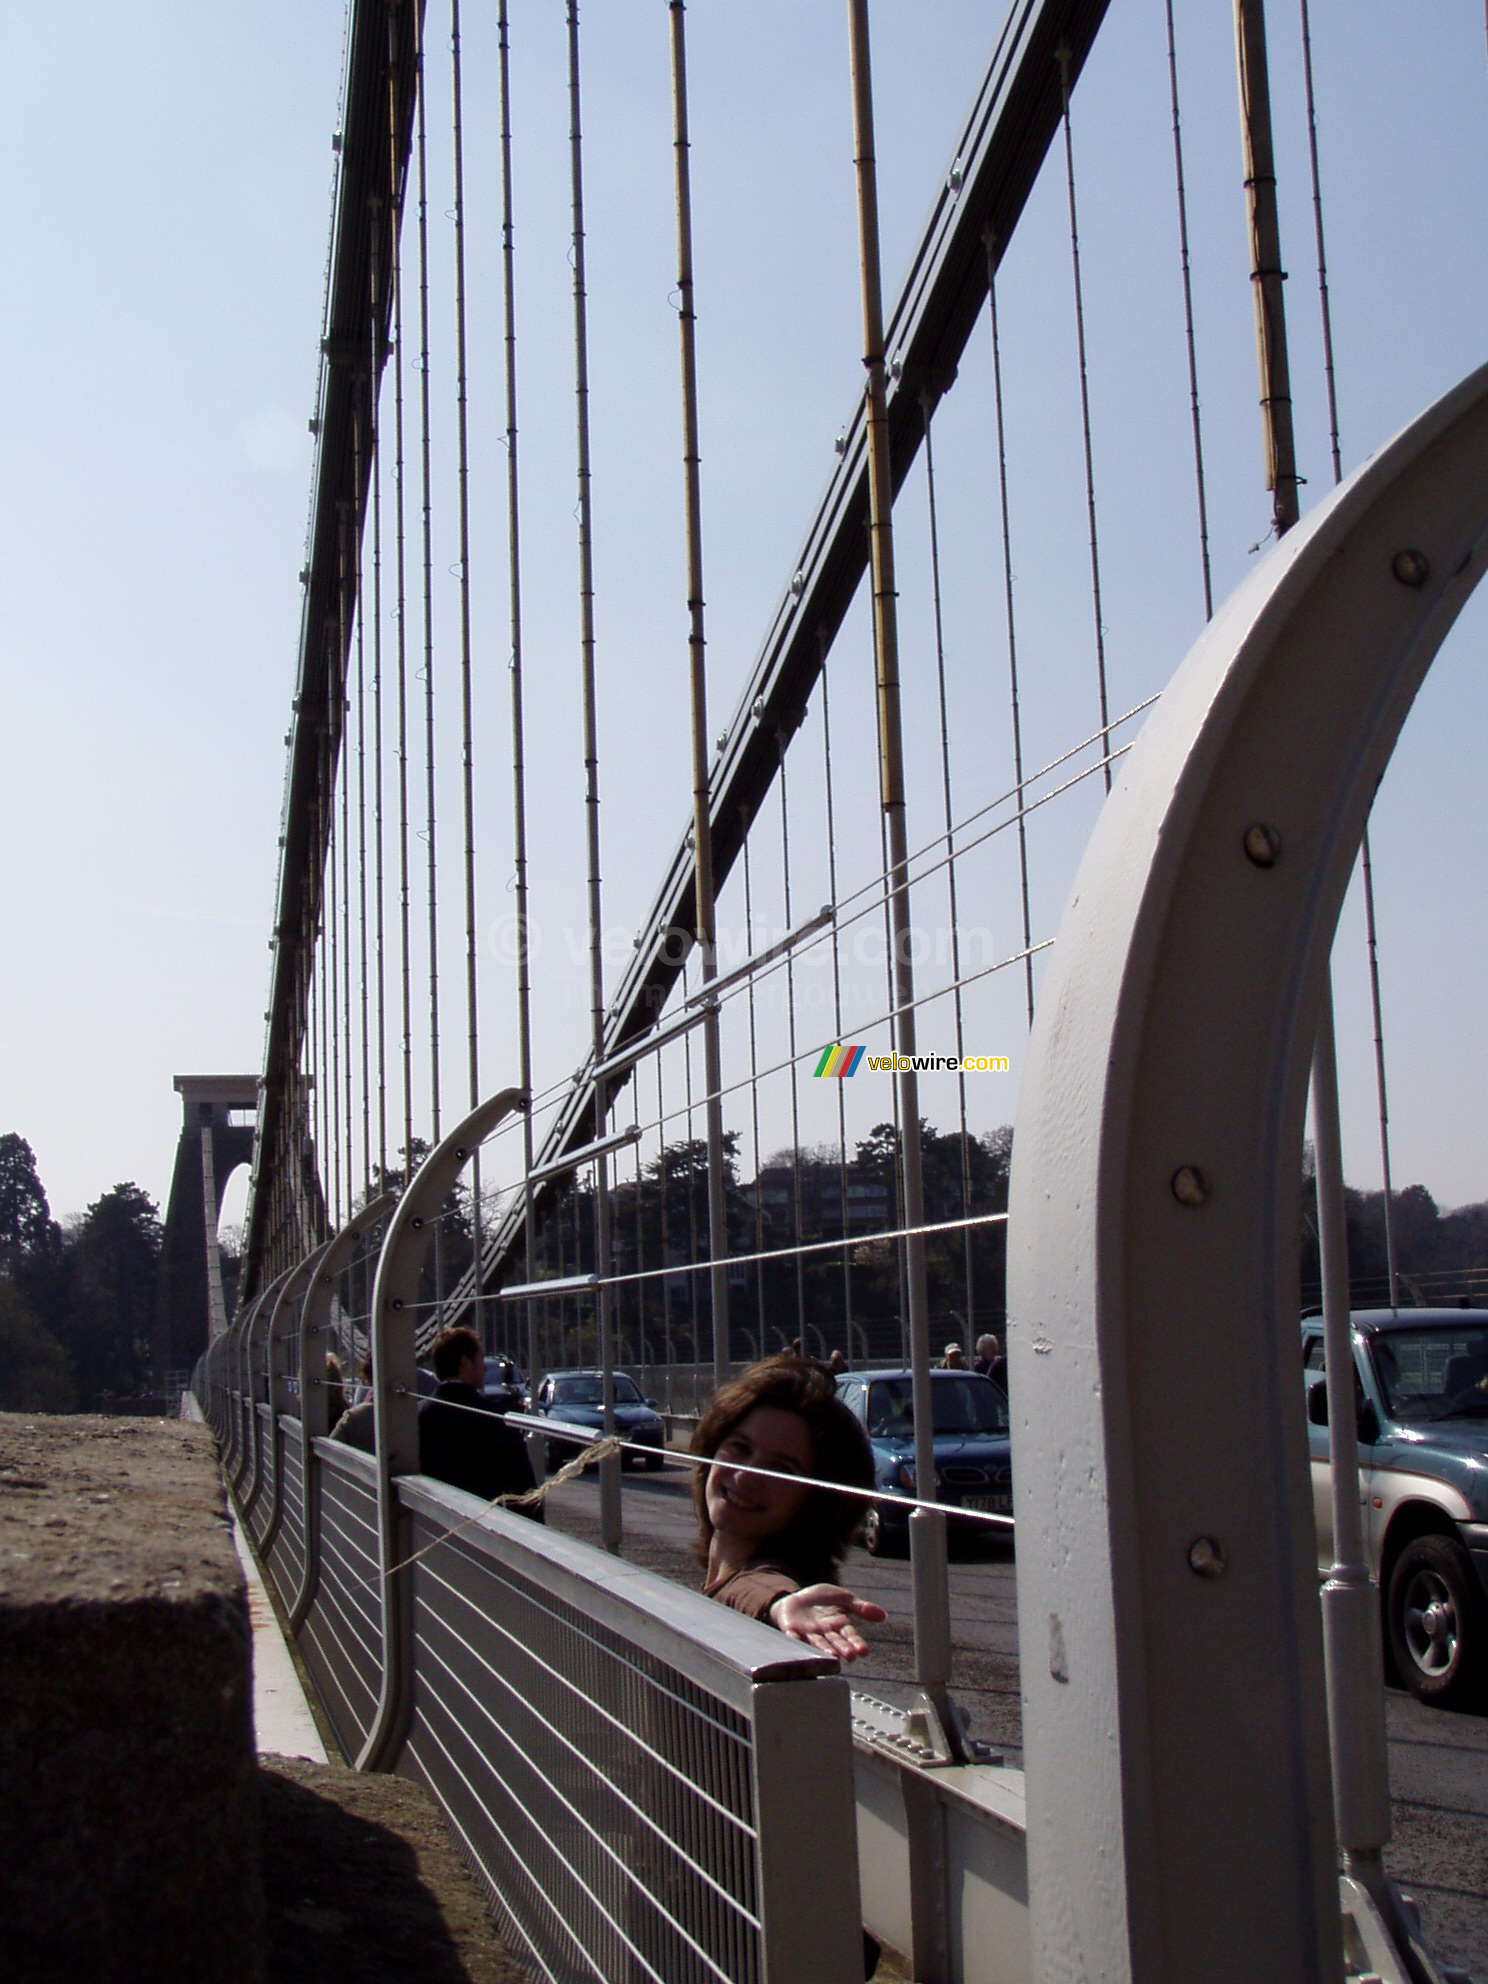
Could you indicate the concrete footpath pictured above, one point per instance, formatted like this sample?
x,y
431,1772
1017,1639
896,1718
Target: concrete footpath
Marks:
x,y
283,1725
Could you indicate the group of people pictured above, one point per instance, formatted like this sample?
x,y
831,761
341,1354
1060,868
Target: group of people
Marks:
x,y
989,1360
463,1438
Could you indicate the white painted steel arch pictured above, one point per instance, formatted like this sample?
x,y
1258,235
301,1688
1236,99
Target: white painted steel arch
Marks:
x,y
318,1275
1180,1809
395,1395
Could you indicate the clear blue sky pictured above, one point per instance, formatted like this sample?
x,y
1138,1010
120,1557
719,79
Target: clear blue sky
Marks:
x,y
168,174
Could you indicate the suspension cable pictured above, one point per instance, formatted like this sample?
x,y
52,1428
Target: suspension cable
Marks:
x,y
348,535
1371,934
702,814
431,885
609,1481
790,1008
361,717
1012,627
754,1079
519,755
374,440
1188,317
847,1293
1095,580
333,1099
462,483
400,607
950,865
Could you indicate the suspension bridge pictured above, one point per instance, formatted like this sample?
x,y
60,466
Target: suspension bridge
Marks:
x,y
642,758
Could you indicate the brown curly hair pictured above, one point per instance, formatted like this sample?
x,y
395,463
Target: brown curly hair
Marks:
x,y
813,1545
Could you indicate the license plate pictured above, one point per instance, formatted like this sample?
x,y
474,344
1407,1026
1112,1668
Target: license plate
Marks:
x,y
997,1505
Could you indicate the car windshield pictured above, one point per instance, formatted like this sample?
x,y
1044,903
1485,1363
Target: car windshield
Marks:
x,y
587,1389
1433,1373
966,1404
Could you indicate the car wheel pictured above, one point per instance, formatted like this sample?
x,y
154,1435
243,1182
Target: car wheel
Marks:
x,y
1436,1621
655,1461
878,1540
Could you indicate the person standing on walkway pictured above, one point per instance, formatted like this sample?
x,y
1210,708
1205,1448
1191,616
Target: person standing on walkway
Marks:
x,y
462,1437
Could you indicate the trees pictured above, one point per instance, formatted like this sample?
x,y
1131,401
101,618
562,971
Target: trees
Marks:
x,y
25,1217
109,1304
34,1372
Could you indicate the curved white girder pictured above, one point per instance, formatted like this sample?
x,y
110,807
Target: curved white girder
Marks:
x,y
321,1272
395,1390
1179,1803
255,1375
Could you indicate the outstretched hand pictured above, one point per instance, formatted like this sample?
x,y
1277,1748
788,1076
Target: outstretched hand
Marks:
x,y
822,1615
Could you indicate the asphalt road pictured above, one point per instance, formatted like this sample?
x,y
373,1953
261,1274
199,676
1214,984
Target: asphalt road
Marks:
x,y
1438,1760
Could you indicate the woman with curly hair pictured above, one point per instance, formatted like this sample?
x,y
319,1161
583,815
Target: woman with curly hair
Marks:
x,y
770,1546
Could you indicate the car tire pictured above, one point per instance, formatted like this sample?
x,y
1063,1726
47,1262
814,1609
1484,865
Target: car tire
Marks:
x,y
878,1539
1436,1621
655,1462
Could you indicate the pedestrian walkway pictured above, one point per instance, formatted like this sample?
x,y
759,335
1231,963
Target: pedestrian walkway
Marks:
x,y
282,1723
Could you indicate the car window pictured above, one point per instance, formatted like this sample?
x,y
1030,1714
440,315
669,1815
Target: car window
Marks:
x,y
1312,1354
626,1390
966,1404
1433,1373
577,1391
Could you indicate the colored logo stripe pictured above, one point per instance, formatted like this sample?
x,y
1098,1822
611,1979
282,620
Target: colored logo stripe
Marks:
x,y
839,1060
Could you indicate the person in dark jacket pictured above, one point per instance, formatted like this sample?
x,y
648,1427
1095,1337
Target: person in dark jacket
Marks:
x,y
462,1439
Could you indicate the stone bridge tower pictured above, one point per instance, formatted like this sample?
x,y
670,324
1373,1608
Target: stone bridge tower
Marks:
x,y
193,1304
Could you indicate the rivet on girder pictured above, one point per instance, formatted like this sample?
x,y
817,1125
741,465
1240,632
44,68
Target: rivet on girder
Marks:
x,y
1190,1185
1262,845
956,176
1208,1558
415,1224
798,584
1412,568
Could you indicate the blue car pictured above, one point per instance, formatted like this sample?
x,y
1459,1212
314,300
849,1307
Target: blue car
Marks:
x,y
578,1397
973,1447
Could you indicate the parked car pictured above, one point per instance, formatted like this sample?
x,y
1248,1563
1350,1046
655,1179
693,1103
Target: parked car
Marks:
x,y
973,1450
504,1385
578,1397
1421,1398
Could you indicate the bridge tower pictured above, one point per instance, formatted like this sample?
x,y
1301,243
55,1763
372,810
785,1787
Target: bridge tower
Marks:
x,y
192,1304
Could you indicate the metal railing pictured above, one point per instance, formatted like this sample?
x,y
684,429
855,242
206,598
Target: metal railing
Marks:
x,y
649,1785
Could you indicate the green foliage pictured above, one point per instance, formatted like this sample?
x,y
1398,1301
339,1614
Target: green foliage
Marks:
x,y
34,1372
108,1311
26,1227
